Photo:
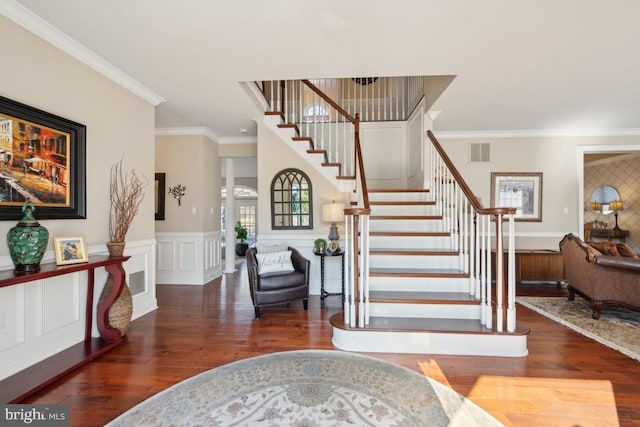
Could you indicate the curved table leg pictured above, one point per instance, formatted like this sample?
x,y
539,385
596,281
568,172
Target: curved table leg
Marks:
x,y
108,332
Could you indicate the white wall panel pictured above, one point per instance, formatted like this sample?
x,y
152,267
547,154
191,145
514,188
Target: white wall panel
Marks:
x,y
415,145
187,257
166,255
11,317
59,303
384,150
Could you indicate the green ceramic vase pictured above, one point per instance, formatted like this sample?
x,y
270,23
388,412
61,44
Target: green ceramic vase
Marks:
x,y
27,241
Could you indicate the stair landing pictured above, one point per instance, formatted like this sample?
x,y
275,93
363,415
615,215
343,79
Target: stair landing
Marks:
x,y
429,336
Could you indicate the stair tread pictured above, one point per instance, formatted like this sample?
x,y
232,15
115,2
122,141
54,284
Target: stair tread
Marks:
x,y
423,297
410,233
411,251
398,190
427,324
401,202
440,272
405,217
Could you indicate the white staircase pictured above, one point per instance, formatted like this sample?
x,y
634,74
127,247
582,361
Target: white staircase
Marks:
x,y
418,278
420,299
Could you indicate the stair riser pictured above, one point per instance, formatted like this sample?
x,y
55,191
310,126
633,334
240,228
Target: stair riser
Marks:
x,y
430,343
423,196
404,210
430,242
406,225
439,311
419,284
411,261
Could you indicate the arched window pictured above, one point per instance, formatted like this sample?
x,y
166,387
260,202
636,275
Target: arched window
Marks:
x,y
291,201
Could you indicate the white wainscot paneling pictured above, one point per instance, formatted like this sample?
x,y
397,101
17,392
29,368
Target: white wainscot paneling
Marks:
x,y
53,315
188,258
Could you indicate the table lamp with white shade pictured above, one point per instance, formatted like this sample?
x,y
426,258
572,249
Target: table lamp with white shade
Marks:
x,y
334,213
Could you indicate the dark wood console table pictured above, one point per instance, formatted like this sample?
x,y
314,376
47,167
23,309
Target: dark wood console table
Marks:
x,y
610,234
26,382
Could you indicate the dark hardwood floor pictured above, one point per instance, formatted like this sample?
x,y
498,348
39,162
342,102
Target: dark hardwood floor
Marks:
x,y
567,379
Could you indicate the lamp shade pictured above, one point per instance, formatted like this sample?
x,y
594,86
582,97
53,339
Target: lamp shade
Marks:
x,y
333,212
616,205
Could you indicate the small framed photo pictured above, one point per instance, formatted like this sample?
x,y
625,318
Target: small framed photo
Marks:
x,y
70,250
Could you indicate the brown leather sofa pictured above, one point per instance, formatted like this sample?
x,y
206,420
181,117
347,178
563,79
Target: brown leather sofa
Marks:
x,y
278,287
600,279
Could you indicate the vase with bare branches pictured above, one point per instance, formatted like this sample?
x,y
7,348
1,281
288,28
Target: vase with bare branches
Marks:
x,y
126,191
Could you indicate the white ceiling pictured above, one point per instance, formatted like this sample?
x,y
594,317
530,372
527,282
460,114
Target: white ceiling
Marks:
x,y
536,66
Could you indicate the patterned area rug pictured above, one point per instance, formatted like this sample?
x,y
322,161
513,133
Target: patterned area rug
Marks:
x,y
617,327
307,388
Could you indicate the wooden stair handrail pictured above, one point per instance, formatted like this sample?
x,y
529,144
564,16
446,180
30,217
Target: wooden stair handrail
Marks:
x,y
357,147
330,101
473,200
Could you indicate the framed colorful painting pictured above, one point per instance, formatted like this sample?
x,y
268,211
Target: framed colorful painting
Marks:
x,y
42,158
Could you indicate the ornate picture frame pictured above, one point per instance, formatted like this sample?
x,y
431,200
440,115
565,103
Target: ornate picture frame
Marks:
x,y
42,158
520,190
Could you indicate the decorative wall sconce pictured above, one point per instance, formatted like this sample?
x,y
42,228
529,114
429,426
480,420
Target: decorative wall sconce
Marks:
x,y
177,192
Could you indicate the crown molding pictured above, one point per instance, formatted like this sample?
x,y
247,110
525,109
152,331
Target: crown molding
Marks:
x,y
536,133
43,29
188,131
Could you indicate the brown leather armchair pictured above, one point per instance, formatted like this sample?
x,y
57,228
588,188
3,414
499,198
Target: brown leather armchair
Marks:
x,y
278,287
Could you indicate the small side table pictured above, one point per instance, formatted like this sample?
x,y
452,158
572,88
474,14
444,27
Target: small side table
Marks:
x,y
323,293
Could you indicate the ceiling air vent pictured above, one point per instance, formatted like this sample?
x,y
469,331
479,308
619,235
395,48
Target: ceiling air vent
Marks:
x,y
479,152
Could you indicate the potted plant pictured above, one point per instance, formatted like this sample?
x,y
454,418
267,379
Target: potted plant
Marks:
x,y
320,246
241,237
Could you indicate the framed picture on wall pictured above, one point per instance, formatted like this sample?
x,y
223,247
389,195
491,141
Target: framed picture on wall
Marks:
x,y
159,196
522,191
42,158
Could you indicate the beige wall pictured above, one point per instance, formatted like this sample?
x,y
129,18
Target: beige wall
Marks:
x,y
193,162
238,150
555,157
274,155
118,123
